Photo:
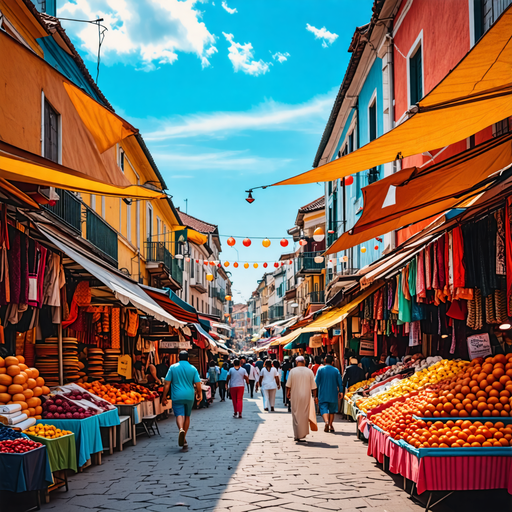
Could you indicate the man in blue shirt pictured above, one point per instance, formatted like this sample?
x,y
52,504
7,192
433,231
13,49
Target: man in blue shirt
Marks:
x,y
182,378
330,389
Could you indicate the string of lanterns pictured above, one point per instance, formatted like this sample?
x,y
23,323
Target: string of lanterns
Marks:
x,y
318,236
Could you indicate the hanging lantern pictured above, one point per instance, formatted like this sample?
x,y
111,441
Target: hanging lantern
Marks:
x,y
319,259
282,263
349,180
318,235
266,242
246,265
235,264
226,264
276,265
228,298
206,262
231,241
219,265
247,242
290,262
284,242
376,247
197,261
209,277
265,265
255,265
212,263
187,260
345,259
226,314
303,242
363,249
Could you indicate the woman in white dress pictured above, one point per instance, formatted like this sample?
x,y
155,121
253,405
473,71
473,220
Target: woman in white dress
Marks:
x,y
269,383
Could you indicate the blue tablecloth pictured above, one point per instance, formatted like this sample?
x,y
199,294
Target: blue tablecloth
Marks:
x,y
20,472
87,435
109,418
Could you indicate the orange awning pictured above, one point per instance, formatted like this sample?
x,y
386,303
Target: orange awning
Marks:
x,y
475,95
106,127
415,194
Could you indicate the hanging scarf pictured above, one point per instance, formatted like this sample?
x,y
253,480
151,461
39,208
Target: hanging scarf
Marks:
x,y
508,251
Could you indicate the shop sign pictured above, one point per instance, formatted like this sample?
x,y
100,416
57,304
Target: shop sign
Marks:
x,y
185,345
479,345
366,347
124,366
336,332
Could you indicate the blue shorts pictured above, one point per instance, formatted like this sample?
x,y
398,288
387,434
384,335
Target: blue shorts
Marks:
x,y
182,407
328,407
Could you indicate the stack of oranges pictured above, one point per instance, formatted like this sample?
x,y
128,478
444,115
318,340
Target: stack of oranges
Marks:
x,y
484,390
112,394
458,434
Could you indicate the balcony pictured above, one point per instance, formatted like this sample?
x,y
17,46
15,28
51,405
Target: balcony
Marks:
x,y
307,264
276,313
316,297
101,235
68,209
165,270
216,312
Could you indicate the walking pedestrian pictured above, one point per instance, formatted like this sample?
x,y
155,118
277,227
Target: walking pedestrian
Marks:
x,y
318,363
259,364
286,367
181,379
300,384
246,366
222,381
254,377
212,377
330,389
269,383
353,374
236,377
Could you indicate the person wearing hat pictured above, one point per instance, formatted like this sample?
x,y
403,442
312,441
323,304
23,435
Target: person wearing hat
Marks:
x,y
183,380
300,384
353,374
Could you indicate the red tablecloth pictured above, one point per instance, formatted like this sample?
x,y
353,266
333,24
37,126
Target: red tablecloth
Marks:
x,y
453,473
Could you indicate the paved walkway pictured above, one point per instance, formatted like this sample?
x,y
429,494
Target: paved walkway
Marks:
x,y
248,465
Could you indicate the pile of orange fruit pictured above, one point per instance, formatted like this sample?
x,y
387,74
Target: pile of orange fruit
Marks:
x,y
484,390
112,394
458,434
21,385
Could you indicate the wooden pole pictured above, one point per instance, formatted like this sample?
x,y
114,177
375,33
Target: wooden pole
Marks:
x,y
61,359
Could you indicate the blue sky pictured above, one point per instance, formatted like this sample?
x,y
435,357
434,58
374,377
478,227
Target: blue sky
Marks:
x,y
228,95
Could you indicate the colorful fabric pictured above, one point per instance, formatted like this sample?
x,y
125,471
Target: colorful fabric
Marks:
x,y
116,328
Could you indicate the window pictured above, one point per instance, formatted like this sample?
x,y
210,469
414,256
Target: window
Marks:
x,y
416,76
500,128
485,13
149,223
373,174
158,228
51,133
121,159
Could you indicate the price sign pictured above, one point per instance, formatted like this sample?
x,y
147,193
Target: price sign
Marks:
x,y
479,345
183,345
124,366
366,347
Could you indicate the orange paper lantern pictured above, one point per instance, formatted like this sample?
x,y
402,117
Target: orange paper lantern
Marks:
x,y
235,264
246,265
231,241
266,242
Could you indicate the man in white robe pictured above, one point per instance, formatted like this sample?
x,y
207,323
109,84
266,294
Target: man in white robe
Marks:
x,y
300,384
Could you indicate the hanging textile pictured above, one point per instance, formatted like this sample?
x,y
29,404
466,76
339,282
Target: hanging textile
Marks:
x,y
115,327
508,252
500,242
132,323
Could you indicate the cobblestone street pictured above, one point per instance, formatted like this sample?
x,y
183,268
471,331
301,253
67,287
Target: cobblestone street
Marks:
x,y
250,464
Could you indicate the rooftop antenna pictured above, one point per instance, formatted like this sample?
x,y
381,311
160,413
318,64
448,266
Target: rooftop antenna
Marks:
x,y
101,36
186,206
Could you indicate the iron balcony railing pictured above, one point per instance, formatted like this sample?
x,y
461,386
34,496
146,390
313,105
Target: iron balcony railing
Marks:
x,y
276,312
68,209
317,297
307,263
157,252
217,312
100,234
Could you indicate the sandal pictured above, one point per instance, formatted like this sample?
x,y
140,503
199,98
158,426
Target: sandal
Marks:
x,y
326,428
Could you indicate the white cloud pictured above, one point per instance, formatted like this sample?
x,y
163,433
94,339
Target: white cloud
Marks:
x,y
242,58
219,160
268,116
323,34
144,34
226,8
281,57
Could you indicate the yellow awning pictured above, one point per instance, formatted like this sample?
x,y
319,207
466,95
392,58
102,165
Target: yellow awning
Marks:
x,y
475,95
196,237
337,315
287,339
106,127
22,166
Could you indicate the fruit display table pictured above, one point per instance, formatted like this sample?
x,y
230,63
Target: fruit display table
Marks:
x,y
109,421
134,412
87,435
349,409
61,452
21,472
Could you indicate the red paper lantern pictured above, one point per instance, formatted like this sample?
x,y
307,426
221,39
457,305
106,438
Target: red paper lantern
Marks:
x,y
376,247
265,265
205,262
212,263
303,242
231,241
247,242
235,264
197,261
290,262
284,242
276,265
349,180
282,263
